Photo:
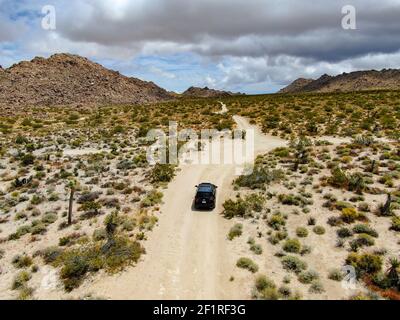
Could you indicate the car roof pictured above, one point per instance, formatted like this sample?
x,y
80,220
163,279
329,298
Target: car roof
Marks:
x,y
205,187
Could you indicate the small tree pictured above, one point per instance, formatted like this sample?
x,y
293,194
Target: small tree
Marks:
x,y
111,223
300,146
392,273
72,186
385,210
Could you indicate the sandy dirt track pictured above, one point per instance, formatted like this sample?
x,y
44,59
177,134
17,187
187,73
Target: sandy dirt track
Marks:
x,y
187,255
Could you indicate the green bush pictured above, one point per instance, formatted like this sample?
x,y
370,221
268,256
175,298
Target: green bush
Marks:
x,y
336,275
112,257
302,232
363,228
20,280
246,263
262,283
234,208
344,233
49,218
22,261
276,221
363,240
316,287
349,215
319,230
395,223
236,231
307,277
162,173
259,177
365,263
256,248
153,198
292,246
99,234
50,254
294,264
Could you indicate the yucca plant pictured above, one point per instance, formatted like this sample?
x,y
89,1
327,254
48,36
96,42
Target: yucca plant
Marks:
x,y
393,273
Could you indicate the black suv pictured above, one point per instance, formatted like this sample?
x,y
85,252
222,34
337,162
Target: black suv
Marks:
x,y
205,196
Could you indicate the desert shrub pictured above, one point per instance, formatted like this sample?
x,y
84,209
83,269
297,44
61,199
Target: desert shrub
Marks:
x,y
382,281
292,246
259,178
153,198
254,202
319,230
316,287
246,263
268,294
336,275
49,218
363,228
27,159
99,234
25,293
285,291
236,231
50,254
37,199
38,227
262,283
349,215
362,241
344,233
301,232
294,264
277,237
22,261
112,256
256,248
305,250
129,225
340,205
334,221
311,221
307,277
293,200
276,221
395,223
243,207
20,216
162,173
365,263
88,197
20,280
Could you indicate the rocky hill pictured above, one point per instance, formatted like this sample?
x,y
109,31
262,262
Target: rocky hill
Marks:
x,y
65,79
387,79
206,92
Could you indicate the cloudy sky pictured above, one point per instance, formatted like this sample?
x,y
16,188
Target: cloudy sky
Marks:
x,y
252,46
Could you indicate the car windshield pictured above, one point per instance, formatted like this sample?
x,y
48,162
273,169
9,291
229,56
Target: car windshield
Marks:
x,y
206,189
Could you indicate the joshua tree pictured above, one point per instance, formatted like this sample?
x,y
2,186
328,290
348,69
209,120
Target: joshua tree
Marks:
x,y
301,151
392,273
385,209
111,224
72,186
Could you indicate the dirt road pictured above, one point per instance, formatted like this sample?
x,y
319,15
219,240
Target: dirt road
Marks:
x,y
186,255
